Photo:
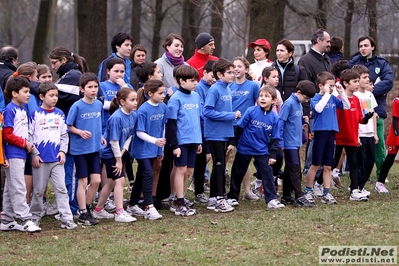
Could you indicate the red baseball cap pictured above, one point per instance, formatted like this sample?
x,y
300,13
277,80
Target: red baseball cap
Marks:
x,y
260,42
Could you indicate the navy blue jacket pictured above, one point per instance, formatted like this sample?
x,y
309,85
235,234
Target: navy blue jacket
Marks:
x,y
382,74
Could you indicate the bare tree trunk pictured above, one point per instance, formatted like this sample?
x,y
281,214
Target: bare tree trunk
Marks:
x,y
372,15
260,12
136,25
190,28
321,14
217,25
348,28
92,17
41,33
156,39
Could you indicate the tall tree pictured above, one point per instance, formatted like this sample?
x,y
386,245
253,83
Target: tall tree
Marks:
x,y
42,29
260,12
190,25
92,31
217,25
348,28
372,16
136,17
156,38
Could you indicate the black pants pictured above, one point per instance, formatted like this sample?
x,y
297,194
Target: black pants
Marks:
x,y
265,171
144,179
292,174
163,188
218,179
199,170
128,161
351,155
387,164
365,159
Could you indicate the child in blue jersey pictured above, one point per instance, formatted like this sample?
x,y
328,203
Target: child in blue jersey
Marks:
x,y
147,145
84,122
258,135
324,106
48,132
291,122
120,128
244,94
15,134
201,171
184,133
218,130
115,72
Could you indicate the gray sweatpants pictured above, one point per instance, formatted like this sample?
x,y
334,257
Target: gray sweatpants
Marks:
x,y
56,173
14,195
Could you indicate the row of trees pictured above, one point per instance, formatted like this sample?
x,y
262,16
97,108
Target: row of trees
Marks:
x,y
86,26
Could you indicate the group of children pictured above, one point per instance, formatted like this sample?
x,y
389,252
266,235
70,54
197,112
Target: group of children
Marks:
x,y
223,112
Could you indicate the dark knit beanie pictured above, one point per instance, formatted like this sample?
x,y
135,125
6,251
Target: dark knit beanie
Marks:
x,y
203,39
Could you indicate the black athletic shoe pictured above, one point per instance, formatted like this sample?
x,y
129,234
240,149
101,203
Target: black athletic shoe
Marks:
x,y
87,219
287,200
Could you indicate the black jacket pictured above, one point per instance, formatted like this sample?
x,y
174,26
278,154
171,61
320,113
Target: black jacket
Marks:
x,y
314,63
69,73
289,78
6,70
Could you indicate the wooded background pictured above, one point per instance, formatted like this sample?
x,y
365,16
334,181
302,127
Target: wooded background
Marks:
x,y
86,27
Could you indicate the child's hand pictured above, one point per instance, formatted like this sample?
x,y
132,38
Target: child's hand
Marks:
x,y
160,142
376,139
36,160
177,152
272,161
305,119
6,164
160,157
29,147
170,91
230,148
121,82
118,168
103,141
238,114
61,156
326,89
199,149
85,134
339,88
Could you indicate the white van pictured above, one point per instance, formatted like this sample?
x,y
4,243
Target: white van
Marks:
x,y
301,48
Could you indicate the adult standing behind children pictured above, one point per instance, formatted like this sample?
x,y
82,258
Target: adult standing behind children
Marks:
x,y
315,61
121,45
205,46
69,67
173,57
262,49
290,74
382,74
137,57
8,64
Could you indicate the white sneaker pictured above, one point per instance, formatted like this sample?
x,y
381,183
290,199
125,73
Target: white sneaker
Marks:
x,y
308,196
318,190
335,173
52,208
211,203
328,199
380,187
275,204
135,210
110,205
357,195
366,192
11,227
152,214
103,214
30,227
279,182
201,198
250,196
232,202
124,217
223,206
386,180
191,187
68,225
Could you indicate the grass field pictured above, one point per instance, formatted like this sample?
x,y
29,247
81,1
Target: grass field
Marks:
x,y
251,234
